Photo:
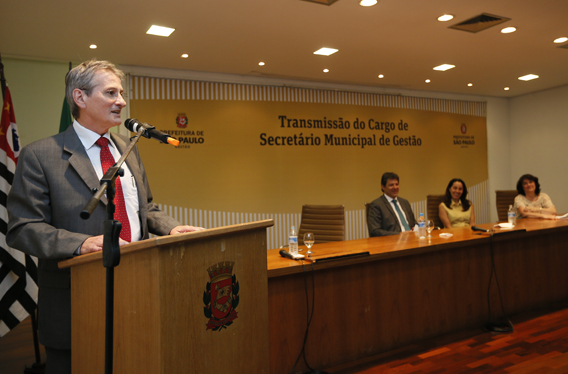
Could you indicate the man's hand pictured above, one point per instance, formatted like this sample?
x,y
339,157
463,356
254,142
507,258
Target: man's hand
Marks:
x,y
184,229
95,244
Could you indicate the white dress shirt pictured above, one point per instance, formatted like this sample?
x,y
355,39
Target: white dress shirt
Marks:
x,y
129,189
390,199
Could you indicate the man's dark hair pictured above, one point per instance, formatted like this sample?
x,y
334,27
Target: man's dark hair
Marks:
x,y
388,175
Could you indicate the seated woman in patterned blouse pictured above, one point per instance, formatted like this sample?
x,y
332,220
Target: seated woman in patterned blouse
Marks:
x,y
530,202
456,210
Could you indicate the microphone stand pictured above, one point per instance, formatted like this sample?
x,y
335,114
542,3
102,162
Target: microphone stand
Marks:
x,y
111,249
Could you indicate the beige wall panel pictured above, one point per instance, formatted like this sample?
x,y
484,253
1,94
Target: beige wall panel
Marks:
x,y
268,150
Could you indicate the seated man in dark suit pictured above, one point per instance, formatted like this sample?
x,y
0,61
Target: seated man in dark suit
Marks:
x,y
390,214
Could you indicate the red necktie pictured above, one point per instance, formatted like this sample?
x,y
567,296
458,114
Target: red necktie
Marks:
x,y
107,160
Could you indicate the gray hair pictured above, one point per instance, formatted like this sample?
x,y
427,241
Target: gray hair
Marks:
x,y
81,77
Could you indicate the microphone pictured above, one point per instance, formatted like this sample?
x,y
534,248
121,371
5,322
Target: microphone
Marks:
x,y
475,228
149,131
284,253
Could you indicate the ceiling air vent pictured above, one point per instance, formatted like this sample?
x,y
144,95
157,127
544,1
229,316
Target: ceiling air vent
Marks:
x,y
322,2
479,23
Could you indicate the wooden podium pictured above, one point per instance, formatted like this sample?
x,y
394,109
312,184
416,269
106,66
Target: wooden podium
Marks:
x,y
188,303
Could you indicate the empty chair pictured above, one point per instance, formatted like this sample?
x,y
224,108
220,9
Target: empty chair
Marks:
x,y
432,209
503,199
326,222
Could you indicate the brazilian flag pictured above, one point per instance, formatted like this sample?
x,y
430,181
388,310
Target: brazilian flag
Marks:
x,y
66,118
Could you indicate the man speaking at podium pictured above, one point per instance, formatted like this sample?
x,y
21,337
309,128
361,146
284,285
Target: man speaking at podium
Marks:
x,y
390,214
54,180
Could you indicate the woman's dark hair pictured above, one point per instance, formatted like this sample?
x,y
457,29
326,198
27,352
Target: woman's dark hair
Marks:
x,y
531,178
463,198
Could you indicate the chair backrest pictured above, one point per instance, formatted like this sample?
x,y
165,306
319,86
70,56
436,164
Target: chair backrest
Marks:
x,y
432,209
367,205
326,222
503,199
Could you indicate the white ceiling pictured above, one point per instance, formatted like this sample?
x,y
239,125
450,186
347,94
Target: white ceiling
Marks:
x,y
401,39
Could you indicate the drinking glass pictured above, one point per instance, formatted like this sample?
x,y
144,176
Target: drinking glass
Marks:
x,y
309,240
429,227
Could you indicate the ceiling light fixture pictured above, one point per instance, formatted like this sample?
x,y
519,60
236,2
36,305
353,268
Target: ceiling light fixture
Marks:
x,y
326,70
325,51
445,17
561,40
381,76
160,30
508,30
185,55
528,77
470,84
427,81
93,46
261,63
506,88
368,2
444,67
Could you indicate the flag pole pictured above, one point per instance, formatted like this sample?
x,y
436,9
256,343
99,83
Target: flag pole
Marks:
x,y
2,78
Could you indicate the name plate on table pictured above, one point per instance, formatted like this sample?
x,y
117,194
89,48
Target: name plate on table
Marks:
x,y
325,257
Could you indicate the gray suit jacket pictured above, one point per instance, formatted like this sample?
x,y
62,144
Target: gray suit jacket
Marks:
x,y
382,219
54,179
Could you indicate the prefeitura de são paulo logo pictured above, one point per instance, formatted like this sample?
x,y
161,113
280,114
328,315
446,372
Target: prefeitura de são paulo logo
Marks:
x,y
221,296
181,120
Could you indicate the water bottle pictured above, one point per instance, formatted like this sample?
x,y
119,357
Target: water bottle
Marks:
x,y
293,241
421,226
512,216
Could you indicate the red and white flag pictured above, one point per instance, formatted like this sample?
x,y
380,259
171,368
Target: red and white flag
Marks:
x,y
18,271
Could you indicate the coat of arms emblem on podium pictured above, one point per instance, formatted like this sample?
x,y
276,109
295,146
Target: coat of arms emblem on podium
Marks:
x,y
221,296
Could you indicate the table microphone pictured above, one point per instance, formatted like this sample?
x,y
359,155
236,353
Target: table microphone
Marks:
x,y
284,253
475,228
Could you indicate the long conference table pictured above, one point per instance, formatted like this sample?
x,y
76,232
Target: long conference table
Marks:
x,y
379,294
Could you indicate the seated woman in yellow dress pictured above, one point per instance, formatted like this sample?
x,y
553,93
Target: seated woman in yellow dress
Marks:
x,y
456,210
530,202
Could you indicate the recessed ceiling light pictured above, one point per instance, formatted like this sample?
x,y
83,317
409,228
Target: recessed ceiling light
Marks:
x,y
560,40
261,63
506,88
528,77
325,51
160,30
508,30
444,67
368,2
381,76
325,70
470,84
93,46
445,17
427,81
185,55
